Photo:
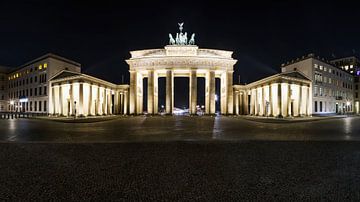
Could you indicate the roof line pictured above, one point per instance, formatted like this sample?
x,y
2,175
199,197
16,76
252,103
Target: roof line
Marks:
x,y
48,55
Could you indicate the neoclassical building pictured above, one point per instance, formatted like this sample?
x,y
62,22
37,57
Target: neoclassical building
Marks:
x,y
280,95
181,61
74,93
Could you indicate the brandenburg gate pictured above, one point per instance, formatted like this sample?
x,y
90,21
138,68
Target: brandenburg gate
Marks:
x,y
181,58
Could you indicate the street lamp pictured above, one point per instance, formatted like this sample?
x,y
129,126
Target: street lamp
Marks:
x,y
75,108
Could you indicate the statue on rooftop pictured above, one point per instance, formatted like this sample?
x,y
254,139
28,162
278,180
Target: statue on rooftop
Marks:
x,y
181,38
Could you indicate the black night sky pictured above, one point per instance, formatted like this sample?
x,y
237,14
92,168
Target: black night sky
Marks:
x,y
100,35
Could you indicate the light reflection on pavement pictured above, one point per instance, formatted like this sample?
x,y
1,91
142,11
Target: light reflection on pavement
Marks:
x,y
177,128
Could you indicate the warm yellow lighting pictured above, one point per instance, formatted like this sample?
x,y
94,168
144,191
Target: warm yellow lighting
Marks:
x,y
45,65
40,67
17,75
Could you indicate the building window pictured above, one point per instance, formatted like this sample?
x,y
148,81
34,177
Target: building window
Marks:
x,y
35,93
356,95
315,106
45,90
35,79
321,91
31,106
40,90
356,87
39,106
45,106
30,91
320,106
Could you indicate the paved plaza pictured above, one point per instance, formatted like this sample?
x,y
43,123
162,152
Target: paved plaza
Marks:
x,y
180,158
177,128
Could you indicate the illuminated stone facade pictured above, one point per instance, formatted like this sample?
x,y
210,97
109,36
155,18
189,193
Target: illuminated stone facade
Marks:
x,y
280,95
181,61
332,87
76,94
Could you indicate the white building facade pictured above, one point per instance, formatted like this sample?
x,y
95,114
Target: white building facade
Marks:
x,y
28,86
332,87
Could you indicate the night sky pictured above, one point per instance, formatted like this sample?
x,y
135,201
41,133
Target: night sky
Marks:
x,y
100,35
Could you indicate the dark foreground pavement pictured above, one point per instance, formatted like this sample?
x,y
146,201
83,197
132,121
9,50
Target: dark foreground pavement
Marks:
x,y
217,170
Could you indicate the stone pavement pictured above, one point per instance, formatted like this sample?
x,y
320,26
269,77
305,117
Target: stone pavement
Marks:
x,y
181,171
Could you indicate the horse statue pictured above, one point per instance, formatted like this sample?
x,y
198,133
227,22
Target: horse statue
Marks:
x,y
177,40
171,40
192,39
185,39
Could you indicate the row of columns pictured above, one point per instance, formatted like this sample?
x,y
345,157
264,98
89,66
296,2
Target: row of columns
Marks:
x,y
80,98
278,100
136,92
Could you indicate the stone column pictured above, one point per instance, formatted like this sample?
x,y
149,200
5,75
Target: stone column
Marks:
x,y
256,102
121,103
237,94
57,101
169,92
270,101
110,103
98,103
252,102
210,92
81,99
139,98
52,105
156,93
126,99
212,103
223,93
280,100
241,100
193,92
91,100
104,103
263,101
308,102
133,93
230,94
150,96
246,102
300,100
117,102
207,93
71,99
289,100
60,107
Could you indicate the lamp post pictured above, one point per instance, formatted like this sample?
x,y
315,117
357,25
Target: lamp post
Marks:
x,y
75,108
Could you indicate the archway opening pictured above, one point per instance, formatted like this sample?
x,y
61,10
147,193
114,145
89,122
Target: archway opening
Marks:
x,y
181,95
217,95
161,94
200,102
145,94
